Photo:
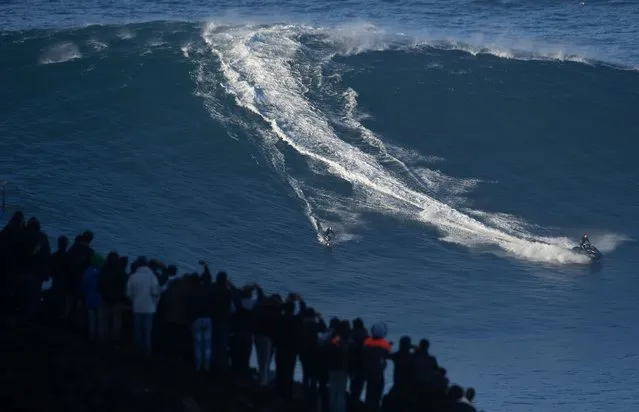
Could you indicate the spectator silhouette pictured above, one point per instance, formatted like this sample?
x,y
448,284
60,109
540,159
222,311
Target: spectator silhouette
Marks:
x,y
60,271
243,325
143,289
359,334
34,262
96,314
10,250
113,281
201,312
80,254
221,320
266,324
337,365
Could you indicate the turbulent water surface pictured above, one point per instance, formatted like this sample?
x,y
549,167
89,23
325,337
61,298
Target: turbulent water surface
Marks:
x,y
459,150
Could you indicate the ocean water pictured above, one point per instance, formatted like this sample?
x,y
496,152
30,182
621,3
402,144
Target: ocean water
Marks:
x,y
459,149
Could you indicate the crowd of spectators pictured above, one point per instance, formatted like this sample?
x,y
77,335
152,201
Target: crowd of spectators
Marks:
x,y
216,325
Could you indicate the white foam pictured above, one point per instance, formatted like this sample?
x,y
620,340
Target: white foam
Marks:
x,y
126,34
412,156
186,49
97,44
432,180
607,242
360,37
257,64
513,50
157,42
434,66
60,53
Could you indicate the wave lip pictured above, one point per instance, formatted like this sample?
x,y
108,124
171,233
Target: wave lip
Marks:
x,y
60,53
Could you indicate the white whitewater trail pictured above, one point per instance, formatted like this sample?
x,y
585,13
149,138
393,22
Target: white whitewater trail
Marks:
x,y
260,69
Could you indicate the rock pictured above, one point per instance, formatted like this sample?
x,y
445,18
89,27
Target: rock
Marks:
x,y
46,368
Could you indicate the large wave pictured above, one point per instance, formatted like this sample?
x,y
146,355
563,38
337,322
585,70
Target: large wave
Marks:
x,y
282,83
266,70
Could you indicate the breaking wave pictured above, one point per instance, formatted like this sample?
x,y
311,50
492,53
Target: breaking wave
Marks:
x,y
263,68
60,53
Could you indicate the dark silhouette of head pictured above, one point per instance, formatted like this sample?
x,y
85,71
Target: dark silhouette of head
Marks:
x,y
207,279
87,236
344,329
17,218
141,261
112,260
455,393
288,307
358,324
222,279
33,225
424,345
63,243
470,394
334,323
124,263
405,344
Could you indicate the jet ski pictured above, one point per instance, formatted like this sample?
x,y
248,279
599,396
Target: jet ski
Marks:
x,y
588,250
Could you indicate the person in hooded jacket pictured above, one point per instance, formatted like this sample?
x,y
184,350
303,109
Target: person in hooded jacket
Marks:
x,y
144,290
375,352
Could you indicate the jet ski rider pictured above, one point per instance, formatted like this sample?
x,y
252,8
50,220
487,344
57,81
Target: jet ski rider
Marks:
x,y
585,242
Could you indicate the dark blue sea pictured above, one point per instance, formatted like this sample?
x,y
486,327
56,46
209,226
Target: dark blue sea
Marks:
x,y
459,149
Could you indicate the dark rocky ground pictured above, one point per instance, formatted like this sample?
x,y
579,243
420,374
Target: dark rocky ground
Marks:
x,y
47,368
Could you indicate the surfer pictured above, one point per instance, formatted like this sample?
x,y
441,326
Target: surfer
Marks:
x,y
329,234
